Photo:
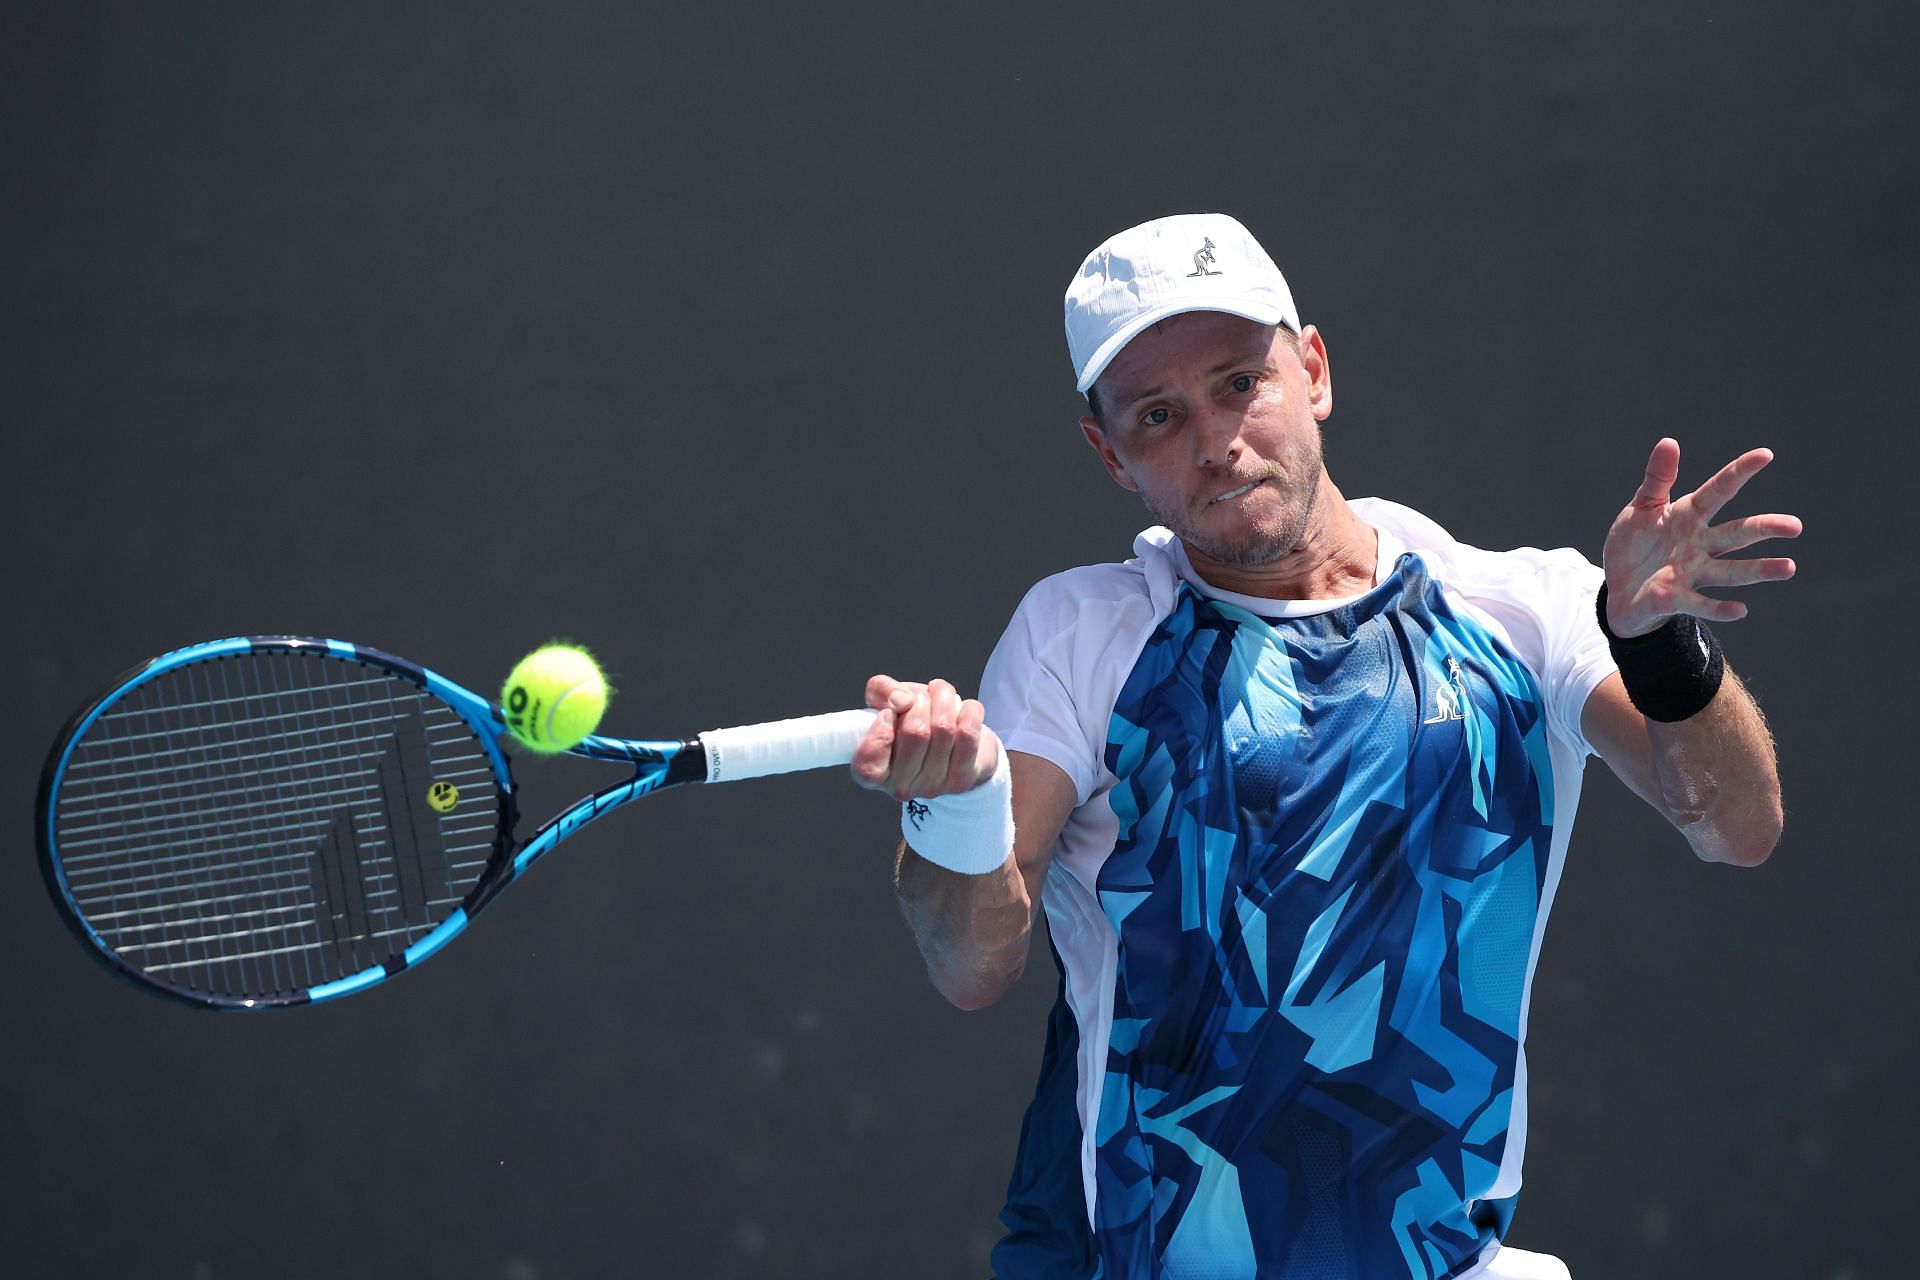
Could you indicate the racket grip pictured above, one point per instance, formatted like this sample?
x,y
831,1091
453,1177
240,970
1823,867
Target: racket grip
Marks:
x,y
784,746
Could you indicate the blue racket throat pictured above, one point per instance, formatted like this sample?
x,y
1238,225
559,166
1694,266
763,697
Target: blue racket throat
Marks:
x,y
270,821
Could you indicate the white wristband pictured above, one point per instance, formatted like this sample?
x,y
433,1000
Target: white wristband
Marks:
x,y
971,833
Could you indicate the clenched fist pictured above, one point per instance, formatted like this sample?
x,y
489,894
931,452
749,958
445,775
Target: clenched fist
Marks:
x,y
927,741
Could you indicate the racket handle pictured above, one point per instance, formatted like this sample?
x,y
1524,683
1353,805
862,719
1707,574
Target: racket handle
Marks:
x,y
784,746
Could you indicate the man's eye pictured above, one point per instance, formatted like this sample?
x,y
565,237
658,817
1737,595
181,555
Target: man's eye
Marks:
x,y
1154,417
1244,383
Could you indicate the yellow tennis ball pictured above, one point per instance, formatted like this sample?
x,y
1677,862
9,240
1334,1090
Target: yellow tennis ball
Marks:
x,y
554,698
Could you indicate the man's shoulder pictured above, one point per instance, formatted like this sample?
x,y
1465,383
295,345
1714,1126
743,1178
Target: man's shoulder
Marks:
x,y
1463,565
1093,611
1415,529
1110,582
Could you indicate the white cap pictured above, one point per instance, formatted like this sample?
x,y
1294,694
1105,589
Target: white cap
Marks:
x,y
1188,262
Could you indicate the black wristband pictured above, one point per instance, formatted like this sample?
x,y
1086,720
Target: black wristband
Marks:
x,y
1670,673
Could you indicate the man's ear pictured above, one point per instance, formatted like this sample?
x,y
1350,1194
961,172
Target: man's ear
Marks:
x,y
1097,437
1313,358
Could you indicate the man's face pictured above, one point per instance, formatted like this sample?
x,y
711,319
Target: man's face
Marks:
x,y
1214,421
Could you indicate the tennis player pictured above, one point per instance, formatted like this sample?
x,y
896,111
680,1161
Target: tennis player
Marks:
x,y
1294,786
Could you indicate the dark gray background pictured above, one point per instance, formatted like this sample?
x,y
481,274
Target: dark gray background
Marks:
x,y
726,338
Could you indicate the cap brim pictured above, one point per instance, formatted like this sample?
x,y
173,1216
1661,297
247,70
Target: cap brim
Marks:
x,y
1260,311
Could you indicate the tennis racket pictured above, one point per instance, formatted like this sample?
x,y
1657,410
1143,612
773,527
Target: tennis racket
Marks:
x,y
276,820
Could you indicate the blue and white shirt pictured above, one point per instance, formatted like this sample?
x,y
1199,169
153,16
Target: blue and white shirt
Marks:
x,y
1298,906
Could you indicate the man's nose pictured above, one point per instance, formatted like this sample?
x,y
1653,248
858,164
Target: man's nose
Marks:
x,y
1216,437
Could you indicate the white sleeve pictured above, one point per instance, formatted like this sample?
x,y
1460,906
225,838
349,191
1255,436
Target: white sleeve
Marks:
x,y
1545,600
1024,689
1577,657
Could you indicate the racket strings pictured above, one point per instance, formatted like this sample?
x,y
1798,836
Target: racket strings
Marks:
x,y
262,823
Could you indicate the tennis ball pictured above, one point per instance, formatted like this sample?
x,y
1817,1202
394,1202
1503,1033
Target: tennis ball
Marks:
x,y
554,698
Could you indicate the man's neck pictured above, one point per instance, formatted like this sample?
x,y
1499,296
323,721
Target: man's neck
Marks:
x,y
1336,557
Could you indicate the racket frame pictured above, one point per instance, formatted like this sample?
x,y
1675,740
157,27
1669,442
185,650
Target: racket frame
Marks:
x,y
656,765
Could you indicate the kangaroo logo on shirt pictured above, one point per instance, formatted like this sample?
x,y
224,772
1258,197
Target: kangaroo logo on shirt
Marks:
x,y
1450,699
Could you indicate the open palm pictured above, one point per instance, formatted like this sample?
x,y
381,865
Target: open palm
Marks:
x,y
1663,552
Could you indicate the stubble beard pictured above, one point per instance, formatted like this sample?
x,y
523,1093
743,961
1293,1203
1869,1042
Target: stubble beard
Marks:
x,y
1273,537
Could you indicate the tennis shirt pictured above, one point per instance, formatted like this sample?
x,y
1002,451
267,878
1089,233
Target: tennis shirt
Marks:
x,y
1297,908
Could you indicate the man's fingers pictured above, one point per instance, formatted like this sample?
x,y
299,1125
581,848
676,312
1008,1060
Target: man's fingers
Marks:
x,y
1744,573
943,713
1708,608
963,771
1737,535
874,756
926,741
1663,468
910,737
1728,481
885,691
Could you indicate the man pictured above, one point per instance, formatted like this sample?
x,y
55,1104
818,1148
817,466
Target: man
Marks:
x,y
1294,786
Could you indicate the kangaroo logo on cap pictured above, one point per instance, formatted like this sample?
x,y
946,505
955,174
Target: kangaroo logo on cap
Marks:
x,y
1203,260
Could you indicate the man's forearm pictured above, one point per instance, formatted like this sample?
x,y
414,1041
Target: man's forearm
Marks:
x,y
973,931
1719,777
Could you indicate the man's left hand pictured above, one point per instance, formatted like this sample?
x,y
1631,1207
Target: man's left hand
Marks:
x,y
1662,552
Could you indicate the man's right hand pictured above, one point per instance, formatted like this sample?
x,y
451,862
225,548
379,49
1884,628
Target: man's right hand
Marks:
x,y
927,741
972,930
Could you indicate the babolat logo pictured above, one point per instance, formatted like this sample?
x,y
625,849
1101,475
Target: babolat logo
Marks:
x,y
523,712
1203,260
